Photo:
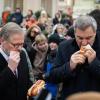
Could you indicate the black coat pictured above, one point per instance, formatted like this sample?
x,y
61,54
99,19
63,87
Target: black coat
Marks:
x,y
18,17
28,43
11,87
85,77
56,21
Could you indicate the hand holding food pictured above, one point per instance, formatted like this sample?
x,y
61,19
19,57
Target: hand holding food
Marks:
x,y
76,59
82,50
35,89
88,52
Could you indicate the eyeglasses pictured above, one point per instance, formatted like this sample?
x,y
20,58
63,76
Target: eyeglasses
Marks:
x,y
17,45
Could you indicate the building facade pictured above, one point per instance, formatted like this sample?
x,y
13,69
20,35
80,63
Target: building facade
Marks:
x,y
51,6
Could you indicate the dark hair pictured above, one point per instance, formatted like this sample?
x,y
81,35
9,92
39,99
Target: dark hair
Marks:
x,y
30,29
30,11
54,38
96,15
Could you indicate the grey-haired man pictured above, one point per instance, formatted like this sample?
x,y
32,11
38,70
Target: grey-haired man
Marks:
x,y
14,71
78,72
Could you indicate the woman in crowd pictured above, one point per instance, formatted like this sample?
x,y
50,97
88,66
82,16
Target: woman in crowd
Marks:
x,y
38,55
30,36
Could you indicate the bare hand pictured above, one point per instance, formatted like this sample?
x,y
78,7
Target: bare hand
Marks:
x,y
76,58
13,60
90,54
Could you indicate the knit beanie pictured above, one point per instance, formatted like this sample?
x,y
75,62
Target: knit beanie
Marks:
x,y
54,38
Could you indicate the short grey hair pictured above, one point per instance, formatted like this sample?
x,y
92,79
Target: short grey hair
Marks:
x,y
83,22
10,29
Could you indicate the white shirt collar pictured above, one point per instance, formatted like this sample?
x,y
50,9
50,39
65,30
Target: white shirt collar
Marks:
x,y
3,53
6,58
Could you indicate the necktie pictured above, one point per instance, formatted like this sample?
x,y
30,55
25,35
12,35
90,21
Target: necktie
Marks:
x,y
15,73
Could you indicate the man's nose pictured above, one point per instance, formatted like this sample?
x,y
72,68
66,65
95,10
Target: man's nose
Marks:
x,y
84,42
19,48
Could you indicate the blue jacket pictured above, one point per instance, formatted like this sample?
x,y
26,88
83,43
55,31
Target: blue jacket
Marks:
x,y
52,88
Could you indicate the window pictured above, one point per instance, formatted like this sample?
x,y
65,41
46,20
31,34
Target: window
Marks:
x,y
97,1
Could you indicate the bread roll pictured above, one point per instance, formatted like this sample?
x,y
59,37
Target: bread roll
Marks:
x,y
82,50
35,89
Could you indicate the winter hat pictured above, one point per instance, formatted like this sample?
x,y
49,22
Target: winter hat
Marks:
x,y
54,38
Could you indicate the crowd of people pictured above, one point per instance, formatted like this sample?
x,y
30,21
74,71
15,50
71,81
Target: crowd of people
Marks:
x,y
49,49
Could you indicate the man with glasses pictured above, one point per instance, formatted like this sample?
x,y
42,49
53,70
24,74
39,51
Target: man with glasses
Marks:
x,y
14,71
78,71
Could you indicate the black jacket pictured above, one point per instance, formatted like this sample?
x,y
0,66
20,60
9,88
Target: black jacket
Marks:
x,y
85,77
11,87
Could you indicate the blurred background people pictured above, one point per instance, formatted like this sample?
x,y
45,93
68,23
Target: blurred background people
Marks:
x,y
17,16
53,42
38,55
32,32
6,15
57,19
96,15
29,19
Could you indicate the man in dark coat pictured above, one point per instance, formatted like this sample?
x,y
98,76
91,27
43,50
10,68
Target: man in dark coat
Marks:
x,y
14,72
78,72
16,17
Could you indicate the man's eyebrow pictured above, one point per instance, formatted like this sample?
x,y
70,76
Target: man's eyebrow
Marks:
x,y
79,36
84,37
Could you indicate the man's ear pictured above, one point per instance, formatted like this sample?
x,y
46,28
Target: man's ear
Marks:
x,y
1,39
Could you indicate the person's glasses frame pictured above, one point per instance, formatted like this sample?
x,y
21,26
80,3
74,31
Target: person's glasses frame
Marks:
x,y
17,45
